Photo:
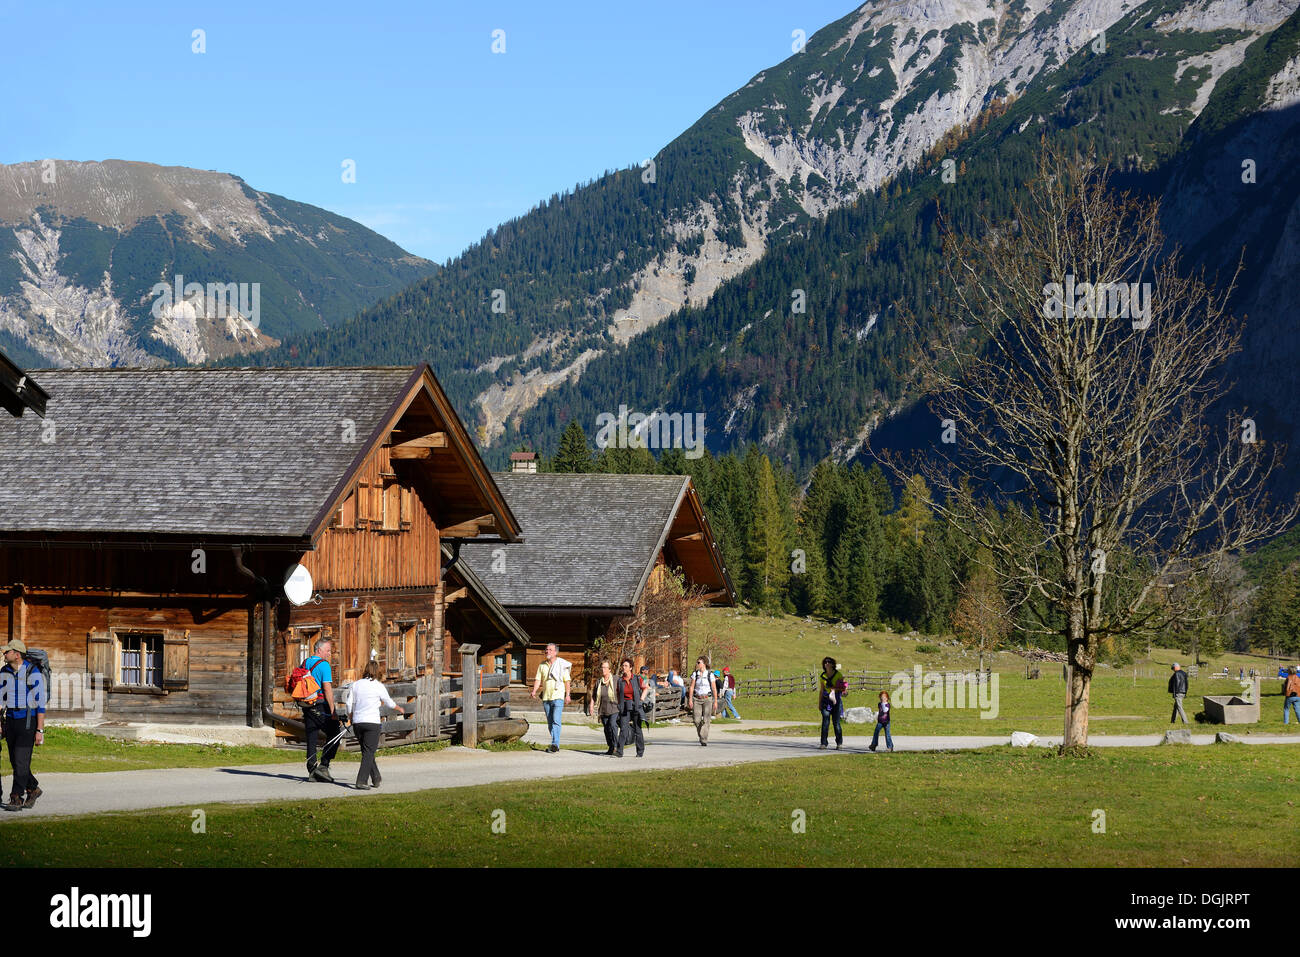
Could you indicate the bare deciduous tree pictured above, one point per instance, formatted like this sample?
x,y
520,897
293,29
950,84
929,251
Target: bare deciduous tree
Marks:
x,y
658,624
1080,364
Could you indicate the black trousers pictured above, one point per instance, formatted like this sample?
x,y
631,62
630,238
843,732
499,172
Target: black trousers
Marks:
x,y
629,722
610,723
319,721
20,735
368,735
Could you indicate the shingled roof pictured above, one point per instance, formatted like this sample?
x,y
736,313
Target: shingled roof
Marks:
x,y
590,541
238,452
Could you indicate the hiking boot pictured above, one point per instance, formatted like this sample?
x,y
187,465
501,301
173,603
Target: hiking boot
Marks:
x,y
324,772
32,795
822,746
363,787
15,803
552,749
377,780
837,747
871,747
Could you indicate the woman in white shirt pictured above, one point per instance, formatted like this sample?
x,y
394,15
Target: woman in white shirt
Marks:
x,y
367,694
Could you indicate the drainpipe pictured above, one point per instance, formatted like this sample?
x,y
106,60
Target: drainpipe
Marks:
x,y
264,591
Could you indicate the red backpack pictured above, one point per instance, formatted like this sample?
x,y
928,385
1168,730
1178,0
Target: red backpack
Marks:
x,y
301,684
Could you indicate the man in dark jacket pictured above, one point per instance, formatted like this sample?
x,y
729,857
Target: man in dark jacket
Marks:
x,y
24,726
1178,688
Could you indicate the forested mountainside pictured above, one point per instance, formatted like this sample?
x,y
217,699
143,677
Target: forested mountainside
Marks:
x,y
86,248
821,182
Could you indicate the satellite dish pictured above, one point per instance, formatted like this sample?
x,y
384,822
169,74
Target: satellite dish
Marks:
x,y
298,585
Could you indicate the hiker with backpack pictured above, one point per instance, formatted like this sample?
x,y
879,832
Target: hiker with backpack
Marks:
x,y
702,699
630,693
832,687
26,684
367,694
1291,695
312,688
882,721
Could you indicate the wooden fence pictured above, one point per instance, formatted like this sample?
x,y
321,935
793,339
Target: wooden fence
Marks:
x,y
432,707
874,681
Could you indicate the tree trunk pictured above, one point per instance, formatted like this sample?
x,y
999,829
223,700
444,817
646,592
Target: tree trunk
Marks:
x,y
1081,663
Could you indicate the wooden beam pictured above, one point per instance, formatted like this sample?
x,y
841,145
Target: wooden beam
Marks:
x,y
693,537
433,440
714,595
398,452
471,528
457,595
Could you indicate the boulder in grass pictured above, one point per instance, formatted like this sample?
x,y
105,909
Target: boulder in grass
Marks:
x,y
1224,738
1023,739
859,715
1178,736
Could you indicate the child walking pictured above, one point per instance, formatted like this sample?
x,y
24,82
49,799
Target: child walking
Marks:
x,y
882,721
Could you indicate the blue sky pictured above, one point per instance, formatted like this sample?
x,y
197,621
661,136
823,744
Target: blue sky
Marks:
x,y
448,138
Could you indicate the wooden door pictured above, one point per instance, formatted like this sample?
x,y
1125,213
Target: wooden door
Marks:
x,y
355,650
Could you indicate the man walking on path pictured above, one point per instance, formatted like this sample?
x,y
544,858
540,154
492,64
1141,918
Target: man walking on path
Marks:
x,y
702,695
1291,696
552,681
1178,688
24,721
318,715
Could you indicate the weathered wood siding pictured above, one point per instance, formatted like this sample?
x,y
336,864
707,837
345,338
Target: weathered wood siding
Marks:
x,y
383,535
217,641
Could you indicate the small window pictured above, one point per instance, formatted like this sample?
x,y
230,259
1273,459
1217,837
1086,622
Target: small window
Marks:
x,y
402,648
392,506
362,496
140,660
500,668
346,515
517,666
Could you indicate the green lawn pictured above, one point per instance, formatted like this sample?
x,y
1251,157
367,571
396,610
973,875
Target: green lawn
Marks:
x,y
1121,703
1166,807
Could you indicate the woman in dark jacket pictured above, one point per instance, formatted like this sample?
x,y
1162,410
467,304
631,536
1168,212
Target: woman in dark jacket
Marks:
x,y
832,685
882,721
630,694
605,706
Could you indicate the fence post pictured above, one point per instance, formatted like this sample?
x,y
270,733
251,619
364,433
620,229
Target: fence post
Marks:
x,y
469,695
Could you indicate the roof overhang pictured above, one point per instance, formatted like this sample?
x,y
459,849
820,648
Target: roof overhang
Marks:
x,y
19,391
486,502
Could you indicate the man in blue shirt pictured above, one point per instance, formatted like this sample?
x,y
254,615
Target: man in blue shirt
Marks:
x,y
319,716
25,696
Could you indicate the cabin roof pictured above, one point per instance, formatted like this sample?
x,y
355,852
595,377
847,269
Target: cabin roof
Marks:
x,y
255,453
591,541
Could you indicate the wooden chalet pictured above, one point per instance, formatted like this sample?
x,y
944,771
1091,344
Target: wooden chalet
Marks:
x,y
593,545
147,527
